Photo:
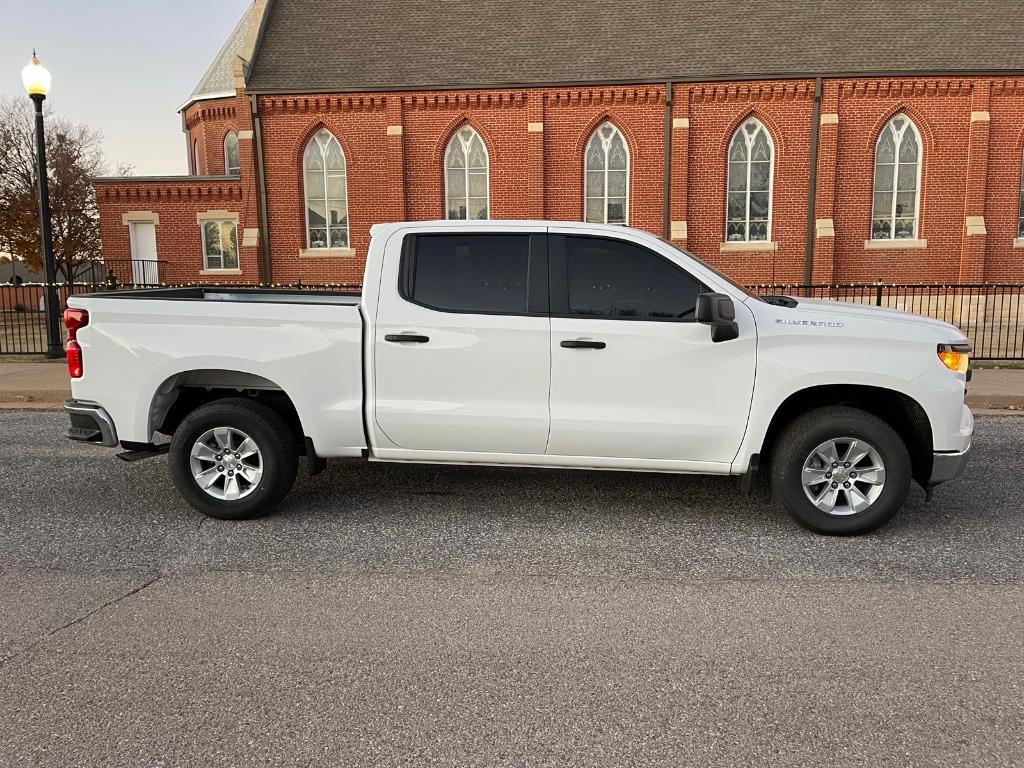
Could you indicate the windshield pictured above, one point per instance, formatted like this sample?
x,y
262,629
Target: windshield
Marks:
x,y
707,266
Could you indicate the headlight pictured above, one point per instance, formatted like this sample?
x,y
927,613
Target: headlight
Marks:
x,y
956,357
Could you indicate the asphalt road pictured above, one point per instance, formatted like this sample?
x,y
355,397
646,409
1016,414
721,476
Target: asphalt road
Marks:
x,y
403,615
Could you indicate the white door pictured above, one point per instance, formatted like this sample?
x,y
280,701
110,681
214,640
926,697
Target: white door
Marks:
x,y
142,235
632,376
461,349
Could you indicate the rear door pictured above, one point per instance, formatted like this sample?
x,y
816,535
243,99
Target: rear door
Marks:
x,y
462,342
632,375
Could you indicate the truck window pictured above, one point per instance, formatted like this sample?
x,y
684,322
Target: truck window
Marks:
x,y
480,273
617,279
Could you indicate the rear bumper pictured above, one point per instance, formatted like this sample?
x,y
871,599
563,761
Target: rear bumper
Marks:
x,y
946,466
90,423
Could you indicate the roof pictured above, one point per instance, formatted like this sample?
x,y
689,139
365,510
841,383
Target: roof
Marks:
x,y
327,46
219,79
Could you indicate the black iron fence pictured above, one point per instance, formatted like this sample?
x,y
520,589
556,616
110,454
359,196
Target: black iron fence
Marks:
x,y
992,316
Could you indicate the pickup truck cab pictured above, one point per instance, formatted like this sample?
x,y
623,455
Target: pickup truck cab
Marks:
x,y
525,343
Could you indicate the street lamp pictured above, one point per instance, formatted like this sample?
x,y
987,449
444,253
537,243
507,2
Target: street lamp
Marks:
x,y
36,79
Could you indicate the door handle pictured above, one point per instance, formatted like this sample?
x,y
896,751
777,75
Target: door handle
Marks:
x,y
412,338
581,344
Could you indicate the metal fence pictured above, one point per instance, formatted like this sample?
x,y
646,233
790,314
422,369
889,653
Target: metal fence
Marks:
x,y
992,316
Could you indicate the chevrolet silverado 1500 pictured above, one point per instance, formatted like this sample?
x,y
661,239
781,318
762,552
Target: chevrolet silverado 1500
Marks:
x,y
528,343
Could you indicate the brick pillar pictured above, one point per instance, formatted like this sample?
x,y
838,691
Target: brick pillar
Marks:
x,y
536,197
249,225
825,193
972,249
396,157
680,166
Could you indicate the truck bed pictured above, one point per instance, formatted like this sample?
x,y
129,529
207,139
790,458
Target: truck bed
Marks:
x,y
140,346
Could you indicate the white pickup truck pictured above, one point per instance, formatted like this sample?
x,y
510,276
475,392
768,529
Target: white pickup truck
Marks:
x,y
525,343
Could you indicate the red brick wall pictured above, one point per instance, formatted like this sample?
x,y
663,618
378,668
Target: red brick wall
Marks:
x,y
716,111
1006,148
970,169
178,238
208,123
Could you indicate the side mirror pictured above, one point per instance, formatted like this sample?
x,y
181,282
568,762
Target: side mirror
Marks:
x,y
718,311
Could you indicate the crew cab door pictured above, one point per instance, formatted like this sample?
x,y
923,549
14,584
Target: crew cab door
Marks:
x,y
461,348
632,375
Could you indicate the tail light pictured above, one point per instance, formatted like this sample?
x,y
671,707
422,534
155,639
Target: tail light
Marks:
x,y
75,319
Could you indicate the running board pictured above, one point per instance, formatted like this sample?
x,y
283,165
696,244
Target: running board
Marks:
x,y
140,451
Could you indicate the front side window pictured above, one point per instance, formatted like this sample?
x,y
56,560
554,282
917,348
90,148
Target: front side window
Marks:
x,y
897,181
466,177
606,185
618,279
220,245
326,188
468,273
749,202
232,159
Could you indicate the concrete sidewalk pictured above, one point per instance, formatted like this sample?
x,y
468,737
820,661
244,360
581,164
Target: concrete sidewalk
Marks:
x,y
34,384
46,385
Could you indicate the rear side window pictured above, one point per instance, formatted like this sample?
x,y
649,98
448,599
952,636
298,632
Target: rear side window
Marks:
x,y
617,279
482,273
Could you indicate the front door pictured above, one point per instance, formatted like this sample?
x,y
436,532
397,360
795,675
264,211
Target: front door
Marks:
x,y
632,376
142,237
461,348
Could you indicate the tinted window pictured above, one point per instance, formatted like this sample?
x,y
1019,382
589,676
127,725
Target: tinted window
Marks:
x,y
613,278
470,273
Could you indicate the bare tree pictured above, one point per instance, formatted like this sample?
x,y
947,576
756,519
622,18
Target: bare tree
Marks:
x,y
74,157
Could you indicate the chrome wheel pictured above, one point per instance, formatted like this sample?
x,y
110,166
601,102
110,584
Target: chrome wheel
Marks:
x,y
843,476
226,463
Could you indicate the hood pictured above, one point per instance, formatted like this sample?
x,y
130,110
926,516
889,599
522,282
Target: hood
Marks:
x,y
832,308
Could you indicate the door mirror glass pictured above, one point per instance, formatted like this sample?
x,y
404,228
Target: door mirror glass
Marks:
x,y
718,311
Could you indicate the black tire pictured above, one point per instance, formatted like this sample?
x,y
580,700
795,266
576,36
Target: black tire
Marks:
x,y
804,435
276,446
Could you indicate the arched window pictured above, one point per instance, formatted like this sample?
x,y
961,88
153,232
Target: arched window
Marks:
x,y
897,181
748,215
195,157
606,189
326,192
1020,223
466,180
232,160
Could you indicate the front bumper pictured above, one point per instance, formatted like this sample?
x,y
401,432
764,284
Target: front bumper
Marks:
x,y
90,423
946,466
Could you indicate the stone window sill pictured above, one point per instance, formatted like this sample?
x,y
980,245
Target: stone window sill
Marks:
x,y
1018,242
220,272
327,253
894,245
752,246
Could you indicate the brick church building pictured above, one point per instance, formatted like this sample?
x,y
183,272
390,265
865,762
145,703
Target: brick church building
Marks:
x,y
831,141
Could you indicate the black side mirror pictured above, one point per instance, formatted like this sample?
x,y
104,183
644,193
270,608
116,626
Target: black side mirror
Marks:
x,y
718,311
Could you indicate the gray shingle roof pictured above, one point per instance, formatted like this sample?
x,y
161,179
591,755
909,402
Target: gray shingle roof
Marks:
x,y
327,45
219,78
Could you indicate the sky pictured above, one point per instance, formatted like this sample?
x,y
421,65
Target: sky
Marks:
x,y
122,66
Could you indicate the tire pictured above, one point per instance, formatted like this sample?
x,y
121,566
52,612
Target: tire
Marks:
x,y
863,500
260,479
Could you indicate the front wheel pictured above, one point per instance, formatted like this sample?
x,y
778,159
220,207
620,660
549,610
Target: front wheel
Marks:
x,y
840,471
233,459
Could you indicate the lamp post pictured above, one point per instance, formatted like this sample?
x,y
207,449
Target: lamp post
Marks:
x,y
36,80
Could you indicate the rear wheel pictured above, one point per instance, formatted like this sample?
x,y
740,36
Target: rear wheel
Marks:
x,y
233,459
840,471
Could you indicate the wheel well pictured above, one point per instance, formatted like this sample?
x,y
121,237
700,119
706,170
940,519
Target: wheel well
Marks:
x,y
184,392
901,412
